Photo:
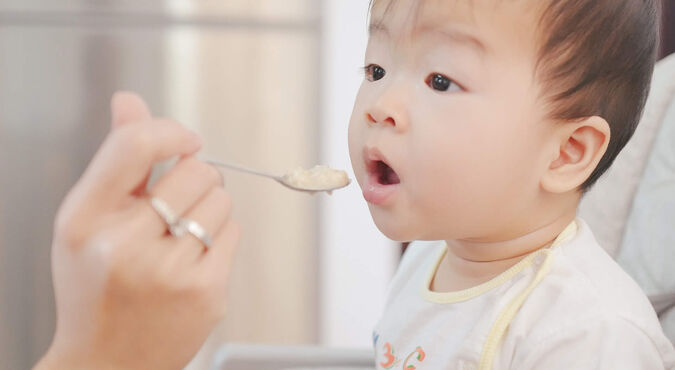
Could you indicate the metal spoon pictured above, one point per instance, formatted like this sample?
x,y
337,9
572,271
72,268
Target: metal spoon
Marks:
x,y
280,179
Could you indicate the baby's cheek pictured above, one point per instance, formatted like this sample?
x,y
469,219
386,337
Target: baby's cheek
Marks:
x,y
450,189
355,142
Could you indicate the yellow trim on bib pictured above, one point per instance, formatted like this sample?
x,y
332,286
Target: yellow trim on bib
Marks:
x,y
509,312
466,294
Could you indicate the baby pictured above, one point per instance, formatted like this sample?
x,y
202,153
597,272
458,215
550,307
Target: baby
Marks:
x,y
480,123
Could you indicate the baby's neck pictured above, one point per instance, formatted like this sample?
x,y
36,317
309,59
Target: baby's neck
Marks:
x,y
472,262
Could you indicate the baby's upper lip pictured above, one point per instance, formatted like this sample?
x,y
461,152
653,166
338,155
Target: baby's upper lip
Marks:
x,y
372,155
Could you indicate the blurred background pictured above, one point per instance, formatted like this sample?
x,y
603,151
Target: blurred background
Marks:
x,y
267,83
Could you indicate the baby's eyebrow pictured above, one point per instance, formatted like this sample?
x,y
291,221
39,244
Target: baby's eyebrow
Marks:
x,y
452,33
457,35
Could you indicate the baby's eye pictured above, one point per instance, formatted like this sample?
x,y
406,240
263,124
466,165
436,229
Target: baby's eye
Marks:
x,y
441,83
374,72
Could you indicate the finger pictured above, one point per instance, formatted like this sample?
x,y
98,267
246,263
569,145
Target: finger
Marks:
x,y
181,188
128,107
211,213
217,261
127,156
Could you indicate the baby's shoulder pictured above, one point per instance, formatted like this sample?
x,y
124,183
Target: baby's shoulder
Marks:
x,y
585,285
593,309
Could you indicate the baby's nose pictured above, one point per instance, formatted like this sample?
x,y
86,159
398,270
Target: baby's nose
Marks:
x,y
388,120
389,110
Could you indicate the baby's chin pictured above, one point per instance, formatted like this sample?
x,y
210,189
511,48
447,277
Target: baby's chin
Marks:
x,y
392,225
403,226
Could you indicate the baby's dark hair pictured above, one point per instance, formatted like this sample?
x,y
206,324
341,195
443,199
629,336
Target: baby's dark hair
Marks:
x,y
596,58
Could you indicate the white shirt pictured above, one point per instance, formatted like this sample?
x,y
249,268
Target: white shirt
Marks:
x,y
568,306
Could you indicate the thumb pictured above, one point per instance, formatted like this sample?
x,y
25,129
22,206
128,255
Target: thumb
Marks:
x,y
128,107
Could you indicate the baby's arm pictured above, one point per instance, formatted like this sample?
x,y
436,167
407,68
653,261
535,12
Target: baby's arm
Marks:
x,y
603,343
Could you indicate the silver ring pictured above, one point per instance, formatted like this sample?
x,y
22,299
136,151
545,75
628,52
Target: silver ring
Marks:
x,y
185,225
167,214
179,227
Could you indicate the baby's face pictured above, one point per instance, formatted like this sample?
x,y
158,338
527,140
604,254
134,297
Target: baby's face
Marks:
x,y
447,134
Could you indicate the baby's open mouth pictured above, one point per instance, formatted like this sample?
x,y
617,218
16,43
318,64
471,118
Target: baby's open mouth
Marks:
x,y
385,175
382,182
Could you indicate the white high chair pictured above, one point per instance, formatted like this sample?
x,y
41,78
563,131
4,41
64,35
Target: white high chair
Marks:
x,y
264,357
631,210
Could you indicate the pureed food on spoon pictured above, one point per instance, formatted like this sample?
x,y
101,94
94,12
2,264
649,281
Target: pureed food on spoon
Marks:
x,y
318,178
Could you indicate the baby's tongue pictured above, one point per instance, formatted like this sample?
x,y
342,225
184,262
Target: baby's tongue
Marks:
x,y
392,177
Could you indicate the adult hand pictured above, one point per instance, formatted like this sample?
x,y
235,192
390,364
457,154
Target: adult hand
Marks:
x,y
128,294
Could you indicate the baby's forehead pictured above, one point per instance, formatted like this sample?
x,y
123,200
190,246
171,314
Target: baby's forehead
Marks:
x,y
477,14
496,24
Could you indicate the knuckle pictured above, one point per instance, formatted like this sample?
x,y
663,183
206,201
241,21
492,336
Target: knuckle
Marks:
x,y
71,238
223,199
214,174
202,171
190,165
133,139
210,174
72,229
65,231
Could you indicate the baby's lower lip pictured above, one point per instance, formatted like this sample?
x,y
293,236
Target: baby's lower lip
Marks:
x,y
376,193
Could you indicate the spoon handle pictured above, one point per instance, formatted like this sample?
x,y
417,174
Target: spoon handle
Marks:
x,y
240,168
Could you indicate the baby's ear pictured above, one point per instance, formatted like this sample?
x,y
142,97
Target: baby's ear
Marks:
x,y
580,147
